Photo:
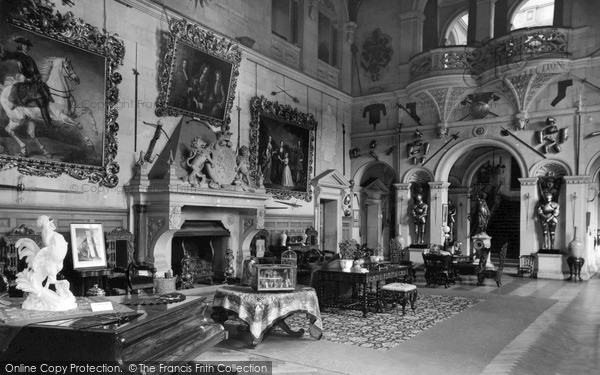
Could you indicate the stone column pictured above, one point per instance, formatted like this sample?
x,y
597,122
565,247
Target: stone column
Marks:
x,y
402,204
462,211
411,29
438,196
501,18
484,29
530,234
139,219
574,215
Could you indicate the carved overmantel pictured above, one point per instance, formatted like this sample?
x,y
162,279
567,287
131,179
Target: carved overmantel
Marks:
x,y
177,189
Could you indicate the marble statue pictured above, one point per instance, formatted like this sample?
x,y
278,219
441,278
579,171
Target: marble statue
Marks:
x,y
43,265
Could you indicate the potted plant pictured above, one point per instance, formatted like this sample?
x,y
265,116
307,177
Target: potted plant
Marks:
x,y
348,251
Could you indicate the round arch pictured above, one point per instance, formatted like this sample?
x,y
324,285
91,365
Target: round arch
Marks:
x,y
474,167
515,7
361,171
550,165
444,166
409,176
593,167
454,17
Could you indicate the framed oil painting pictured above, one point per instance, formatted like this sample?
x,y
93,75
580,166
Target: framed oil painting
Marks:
x,y
58,102
282,144
199,76
88,246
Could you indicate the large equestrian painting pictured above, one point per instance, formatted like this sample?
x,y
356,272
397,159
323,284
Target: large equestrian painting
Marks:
x,y
61,122
58,97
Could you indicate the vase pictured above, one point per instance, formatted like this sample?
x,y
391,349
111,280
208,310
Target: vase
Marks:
x,y
346,264
576,246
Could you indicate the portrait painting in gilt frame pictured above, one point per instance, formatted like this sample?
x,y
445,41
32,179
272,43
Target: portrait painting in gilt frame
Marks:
x,y
282,145
59,96
87,246
199,76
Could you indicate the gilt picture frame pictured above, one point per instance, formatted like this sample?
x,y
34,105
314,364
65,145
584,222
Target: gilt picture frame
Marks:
x,y
282,146
87,246
78,66
199,76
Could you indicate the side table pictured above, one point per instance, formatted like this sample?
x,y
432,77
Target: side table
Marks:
x,y
263,311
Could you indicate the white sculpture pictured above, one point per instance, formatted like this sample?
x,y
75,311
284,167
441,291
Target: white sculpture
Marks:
x,y
44,264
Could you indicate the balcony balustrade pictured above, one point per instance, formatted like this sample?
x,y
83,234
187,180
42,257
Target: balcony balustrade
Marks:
x,y
517,48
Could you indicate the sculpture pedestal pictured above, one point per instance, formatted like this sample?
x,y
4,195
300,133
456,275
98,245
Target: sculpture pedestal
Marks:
x,y
549,266
480,241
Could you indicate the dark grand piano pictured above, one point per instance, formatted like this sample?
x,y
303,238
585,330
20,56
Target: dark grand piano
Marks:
x,y
167,332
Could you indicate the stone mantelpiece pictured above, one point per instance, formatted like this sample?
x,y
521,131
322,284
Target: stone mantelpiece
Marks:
x,y
168,206
196,177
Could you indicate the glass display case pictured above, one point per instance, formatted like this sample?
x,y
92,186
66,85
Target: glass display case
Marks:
x,y
274,278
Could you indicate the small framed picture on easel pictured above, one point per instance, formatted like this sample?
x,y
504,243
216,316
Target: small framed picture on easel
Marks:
x,y
87,246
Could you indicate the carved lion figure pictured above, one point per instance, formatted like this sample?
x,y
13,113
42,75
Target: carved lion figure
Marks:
x,y
243,171
199,157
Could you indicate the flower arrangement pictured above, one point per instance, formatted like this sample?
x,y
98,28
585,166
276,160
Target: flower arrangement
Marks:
x,y
349,249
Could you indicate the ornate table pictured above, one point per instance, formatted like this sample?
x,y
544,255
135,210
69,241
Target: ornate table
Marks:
x,y
360,299
263,311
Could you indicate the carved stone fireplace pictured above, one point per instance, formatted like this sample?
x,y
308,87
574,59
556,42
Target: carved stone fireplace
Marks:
x,y
168,205
203,245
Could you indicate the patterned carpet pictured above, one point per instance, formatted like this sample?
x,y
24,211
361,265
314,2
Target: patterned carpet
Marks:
x,y
384,331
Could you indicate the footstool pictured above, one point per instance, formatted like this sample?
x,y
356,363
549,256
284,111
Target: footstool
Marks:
x,y
400,293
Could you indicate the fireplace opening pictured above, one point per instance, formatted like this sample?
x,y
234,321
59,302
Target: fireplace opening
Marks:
x,y
198,253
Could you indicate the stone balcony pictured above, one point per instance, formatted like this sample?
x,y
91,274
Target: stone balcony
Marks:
x,y
517,66
509,51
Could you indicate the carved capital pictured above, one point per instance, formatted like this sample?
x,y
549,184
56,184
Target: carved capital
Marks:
x,y
577,179
528,181
439,185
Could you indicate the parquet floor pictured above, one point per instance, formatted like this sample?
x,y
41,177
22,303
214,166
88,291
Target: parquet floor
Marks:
x,y
527,326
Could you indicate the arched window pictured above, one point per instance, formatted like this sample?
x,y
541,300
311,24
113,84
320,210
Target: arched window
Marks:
x,y
456,33
533,13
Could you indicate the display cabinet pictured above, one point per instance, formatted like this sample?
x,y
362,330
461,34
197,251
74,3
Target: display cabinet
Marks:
x,y
274,277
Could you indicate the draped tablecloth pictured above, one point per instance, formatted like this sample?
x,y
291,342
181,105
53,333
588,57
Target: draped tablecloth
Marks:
x,y
264,310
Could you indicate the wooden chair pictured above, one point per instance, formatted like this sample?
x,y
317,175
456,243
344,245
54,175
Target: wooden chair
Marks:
x,y
128,275
8,253
496,274
10,258
525,265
